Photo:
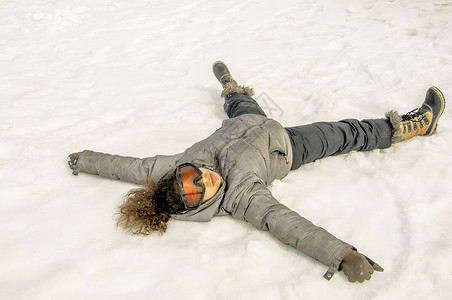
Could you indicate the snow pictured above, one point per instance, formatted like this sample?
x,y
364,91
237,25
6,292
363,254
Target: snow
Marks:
x,y
134,78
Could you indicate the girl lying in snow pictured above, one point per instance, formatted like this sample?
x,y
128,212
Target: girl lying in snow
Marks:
x,y
228,172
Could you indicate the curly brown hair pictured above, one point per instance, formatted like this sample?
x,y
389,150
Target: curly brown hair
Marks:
x,y
149,207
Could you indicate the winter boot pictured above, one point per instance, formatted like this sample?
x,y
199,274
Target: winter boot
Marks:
x,y
230,86
221,72
422,121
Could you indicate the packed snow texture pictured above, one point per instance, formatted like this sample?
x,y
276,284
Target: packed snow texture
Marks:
x,y
134,78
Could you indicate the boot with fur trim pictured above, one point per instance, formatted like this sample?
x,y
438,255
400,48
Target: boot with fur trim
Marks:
x,y
230,86
422,121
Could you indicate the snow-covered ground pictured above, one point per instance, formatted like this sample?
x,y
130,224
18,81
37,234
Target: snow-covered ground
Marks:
x,y
134,78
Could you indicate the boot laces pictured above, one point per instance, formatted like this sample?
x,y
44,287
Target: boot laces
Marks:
x,y
415,116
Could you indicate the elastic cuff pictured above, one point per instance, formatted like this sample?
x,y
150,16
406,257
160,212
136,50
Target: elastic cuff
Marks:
x,y
332,269
335,265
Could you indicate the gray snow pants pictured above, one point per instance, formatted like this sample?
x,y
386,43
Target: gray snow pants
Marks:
x,y
322,139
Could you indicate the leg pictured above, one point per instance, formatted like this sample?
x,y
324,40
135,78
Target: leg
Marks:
x,y
311,142
238,99
239,104
318,140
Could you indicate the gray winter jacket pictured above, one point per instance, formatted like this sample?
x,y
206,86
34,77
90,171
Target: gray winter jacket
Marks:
x,y
249,152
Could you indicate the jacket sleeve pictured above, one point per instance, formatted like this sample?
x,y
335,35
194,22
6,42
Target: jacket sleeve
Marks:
x,y
266,213
125,168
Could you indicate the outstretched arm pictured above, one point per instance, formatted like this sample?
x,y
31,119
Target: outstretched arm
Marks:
x,y
130,169
266,213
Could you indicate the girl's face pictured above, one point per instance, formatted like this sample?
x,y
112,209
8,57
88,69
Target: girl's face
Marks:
x,y
211,180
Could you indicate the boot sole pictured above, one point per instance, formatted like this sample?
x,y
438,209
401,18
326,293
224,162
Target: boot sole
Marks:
x,y
434,124
221,72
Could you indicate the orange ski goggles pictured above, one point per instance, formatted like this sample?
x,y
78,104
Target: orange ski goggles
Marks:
x,y
191,192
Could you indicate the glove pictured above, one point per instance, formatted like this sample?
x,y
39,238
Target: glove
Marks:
x,y
72,162
358,267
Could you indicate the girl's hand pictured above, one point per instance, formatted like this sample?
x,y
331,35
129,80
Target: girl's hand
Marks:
x,y
357,267
72,161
